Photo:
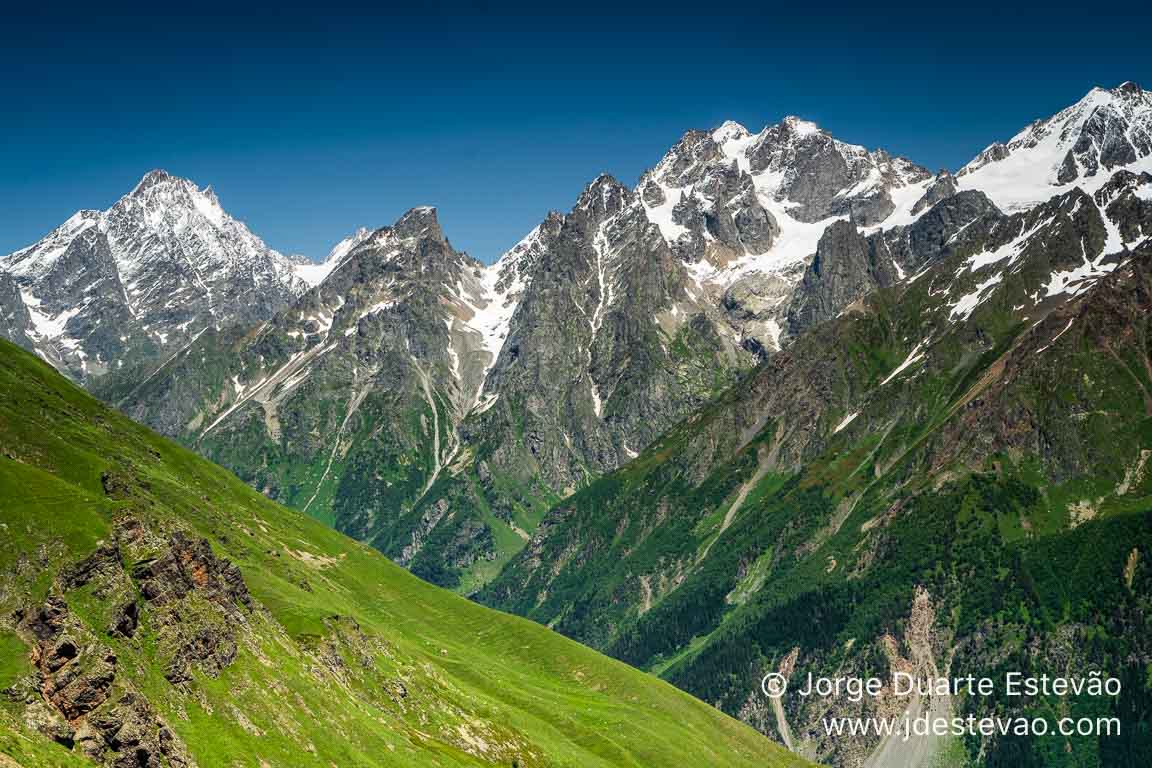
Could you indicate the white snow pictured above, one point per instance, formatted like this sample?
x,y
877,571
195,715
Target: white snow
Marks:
x,y
314,273
966,304
597,405
1027,176
852,416
802,127
453,356
661,215
1010,250
774,332
1057,336
1076,281
914,356
209,207
48,327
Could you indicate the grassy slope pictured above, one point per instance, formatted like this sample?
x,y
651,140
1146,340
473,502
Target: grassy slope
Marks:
x,y
482,687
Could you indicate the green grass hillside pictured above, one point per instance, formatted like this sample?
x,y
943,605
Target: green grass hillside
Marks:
x,y
154,610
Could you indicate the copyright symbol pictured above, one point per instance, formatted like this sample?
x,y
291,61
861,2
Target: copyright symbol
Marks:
x,y
774,685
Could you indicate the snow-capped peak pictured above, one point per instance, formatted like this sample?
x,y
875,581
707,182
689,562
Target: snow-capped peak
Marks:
x,y
152,178
162,263
1080,146
801,127
40,257
729,130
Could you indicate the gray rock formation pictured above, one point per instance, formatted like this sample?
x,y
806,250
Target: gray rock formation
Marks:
x,y
824,177
943,186
846,267
15,322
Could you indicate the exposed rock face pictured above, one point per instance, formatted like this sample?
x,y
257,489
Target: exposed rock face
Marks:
x,y
190,566
713,201
79,702
585,372
195,603
185,575
846,267
825,177
943,186
116,288
15,322
956,220
756,305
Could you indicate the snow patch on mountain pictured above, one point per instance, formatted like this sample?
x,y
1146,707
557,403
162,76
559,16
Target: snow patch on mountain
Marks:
x,y
314,273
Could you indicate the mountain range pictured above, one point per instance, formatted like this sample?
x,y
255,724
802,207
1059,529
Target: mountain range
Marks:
x,y
782,377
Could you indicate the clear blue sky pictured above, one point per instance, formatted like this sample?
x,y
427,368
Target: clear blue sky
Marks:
x,y
310,122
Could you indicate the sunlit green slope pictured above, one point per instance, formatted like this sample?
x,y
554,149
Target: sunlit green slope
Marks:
x,y
154,610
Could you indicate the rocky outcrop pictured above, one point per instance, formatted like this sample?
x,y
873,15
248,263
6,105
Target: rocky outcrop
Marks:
x,y
943,186
847,266
189,566
955,221
717,206
195,603
1127,200
757,305
77,699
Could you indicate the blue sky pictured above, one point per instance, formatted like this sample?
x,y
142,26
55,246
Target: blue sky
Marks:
x,y
312,121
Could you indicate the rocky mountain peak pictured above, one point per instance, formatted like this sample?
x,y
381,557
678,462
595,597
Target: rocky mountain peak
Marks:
x,y
730,130
108,290
801,128
420,221
1106,130
151,179
603,197
1129,88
